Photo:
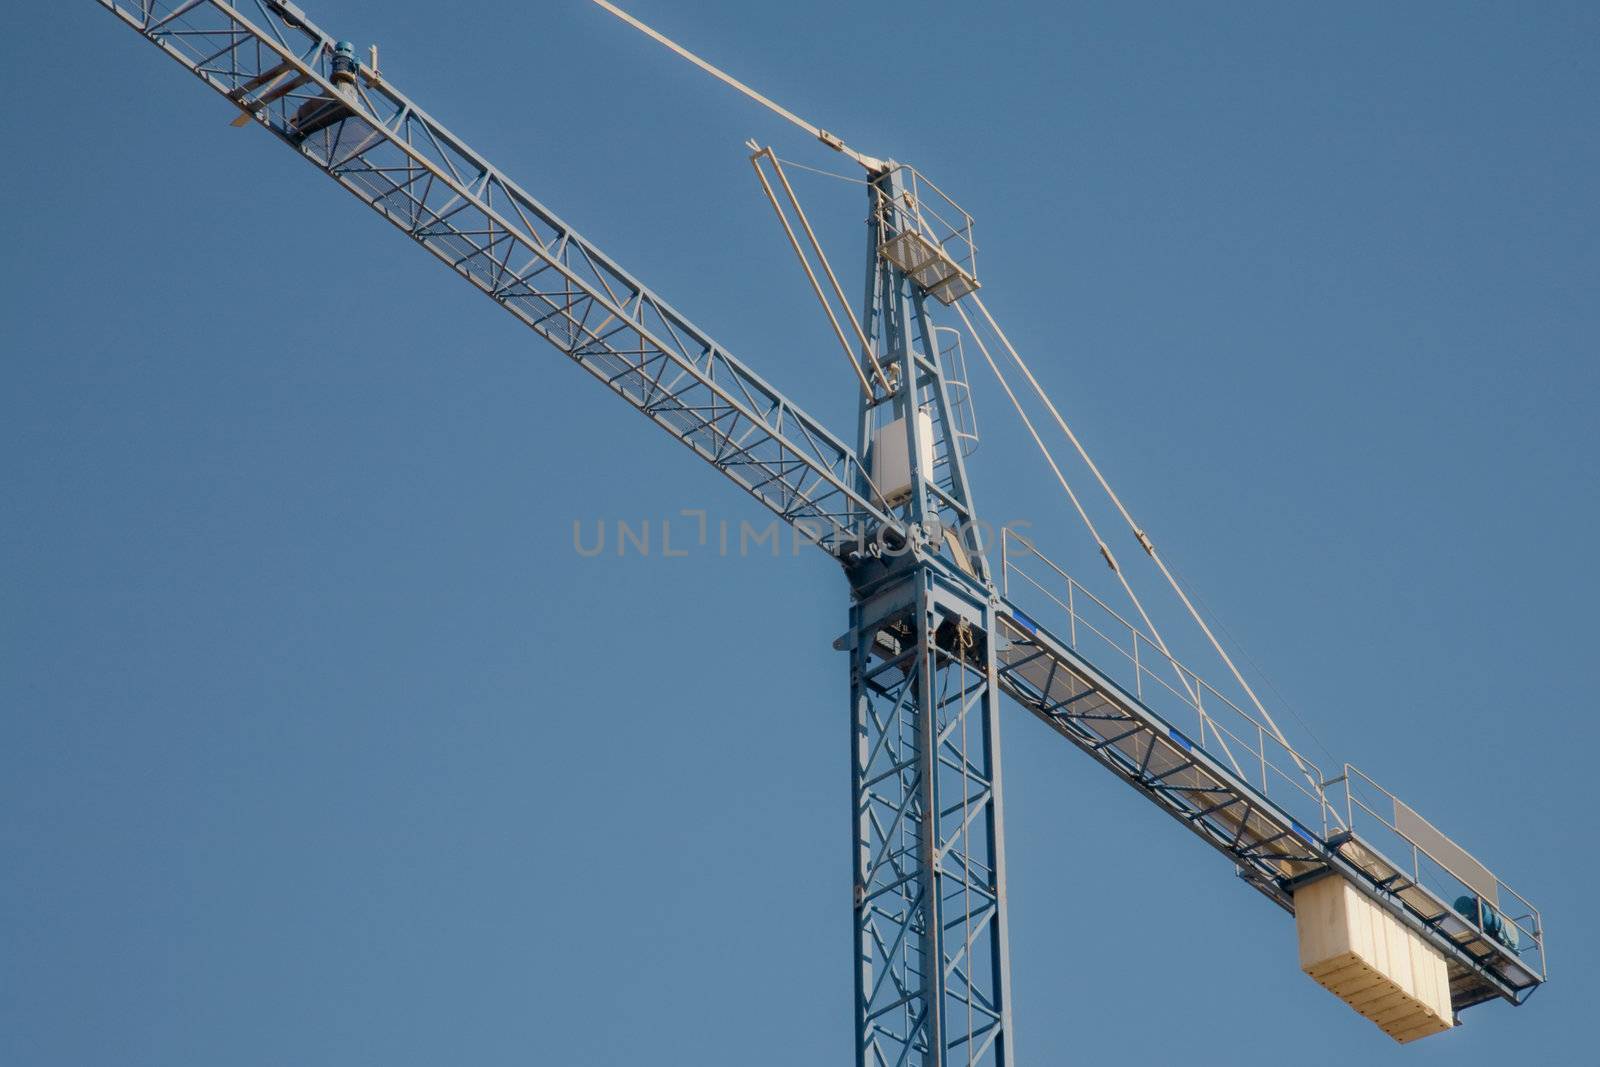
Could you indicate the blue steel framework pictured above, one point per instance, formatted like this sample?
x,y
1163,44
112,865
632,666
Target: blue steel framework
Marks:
x,y
278,68
931,966
931,642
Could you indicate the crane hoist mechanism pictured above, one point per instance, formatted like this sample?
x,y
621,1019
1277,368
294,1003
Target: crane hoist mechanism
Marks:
x,y
1392,915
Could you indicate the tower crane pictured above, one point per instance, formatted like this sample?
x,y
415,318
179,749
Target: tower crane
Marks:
x,y
1393,916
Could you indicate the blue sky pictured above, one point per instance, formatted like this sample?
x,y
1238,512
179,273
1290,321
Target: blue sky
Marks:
x,y
320,744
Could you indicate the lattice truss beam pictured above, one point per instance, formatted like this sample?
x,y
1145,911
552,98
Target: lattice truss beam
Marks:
x,y
272,63
929,858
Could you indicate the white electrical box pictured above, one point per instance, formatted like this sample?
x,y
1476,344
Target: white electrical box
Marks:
x,y
891,468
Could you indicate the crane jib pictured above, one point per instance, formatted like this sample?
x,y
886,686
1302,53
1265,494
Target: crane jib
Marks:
x,y
427,182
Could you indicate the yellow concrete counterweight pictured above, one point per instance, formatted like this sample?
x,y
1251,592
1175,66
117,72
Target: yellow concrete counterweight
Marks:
x,y
1371,960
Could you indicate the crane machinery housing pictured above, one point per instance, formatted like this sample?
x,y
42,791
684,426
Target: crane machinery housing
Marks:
x,y
1393,916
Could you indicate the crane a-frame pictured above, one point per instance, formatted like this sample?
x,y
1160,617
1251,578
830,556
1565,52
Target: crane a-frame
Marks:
x,y
1394,917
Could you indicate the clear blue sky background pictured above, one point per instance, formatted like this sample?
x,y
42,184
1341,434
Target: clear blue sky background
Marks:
x,y
320,745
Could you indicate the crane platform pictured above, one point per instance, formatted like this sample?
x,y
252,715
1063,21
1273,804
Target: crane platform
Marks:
x,y
1108,688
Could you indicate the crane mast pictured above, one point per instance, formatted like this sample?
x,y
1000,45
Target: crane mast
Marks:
x,y
932,973
934,634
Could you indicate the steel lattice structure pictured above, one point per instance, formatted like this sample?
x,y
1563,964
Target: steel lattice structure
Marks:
x,y
424,180
931,968
934,637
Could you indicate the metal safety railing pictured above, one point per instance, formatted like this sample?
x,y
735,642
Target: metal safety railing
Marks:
x,y
1131,658
1417,851
1349,806
927,235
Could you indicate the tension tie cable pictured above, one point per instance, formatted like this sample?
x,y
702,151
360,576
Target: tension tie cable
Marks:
x,y
1145,542
824,173
1105,549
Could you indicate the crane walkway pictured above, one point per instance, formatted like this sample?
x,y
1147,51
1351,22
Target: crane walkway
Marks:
x,y
1159,727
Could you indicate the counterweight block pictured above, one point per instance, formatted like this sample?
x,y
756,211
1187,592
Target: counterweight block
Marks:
x,y
1372,961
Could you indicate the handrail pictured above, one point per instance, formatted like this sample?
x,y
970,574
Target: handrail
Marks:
x,y
1149,663
1487,917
